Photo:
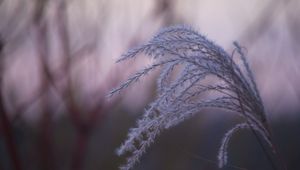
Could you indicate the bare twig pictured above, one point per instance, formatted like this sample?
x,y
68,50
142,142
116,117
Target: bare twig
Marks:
x,y
5,124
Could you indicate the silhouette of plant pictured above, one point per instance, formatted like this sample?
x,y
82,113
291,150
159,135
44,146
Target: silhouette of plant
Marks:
x,y
208,77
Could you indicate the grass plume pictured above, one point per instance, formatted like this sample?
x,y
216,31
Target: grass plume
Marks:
x,y
208,77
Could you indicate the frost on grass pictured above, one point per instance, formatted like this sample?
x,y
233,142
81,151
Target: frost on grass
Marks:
x,y
208,77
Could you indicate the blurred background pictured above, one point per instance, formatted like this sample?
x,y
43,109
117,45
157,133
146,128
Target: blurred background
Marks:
x,y
57,64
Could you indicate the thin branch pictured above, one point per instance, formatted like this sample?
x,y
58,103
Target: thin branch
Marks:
x,y
5,124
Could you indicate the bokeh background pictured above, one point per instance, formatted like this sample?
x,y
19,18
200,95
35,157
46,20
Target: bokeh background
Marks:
x,y
58,64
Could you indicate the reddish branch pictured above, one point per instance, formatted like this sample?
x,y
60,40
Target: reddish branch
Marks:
x,y
40,29
83,128
6,127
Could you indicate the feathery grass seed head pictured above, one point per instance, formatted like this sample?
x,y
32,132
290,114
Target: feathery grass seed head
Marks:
x,y
232,87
